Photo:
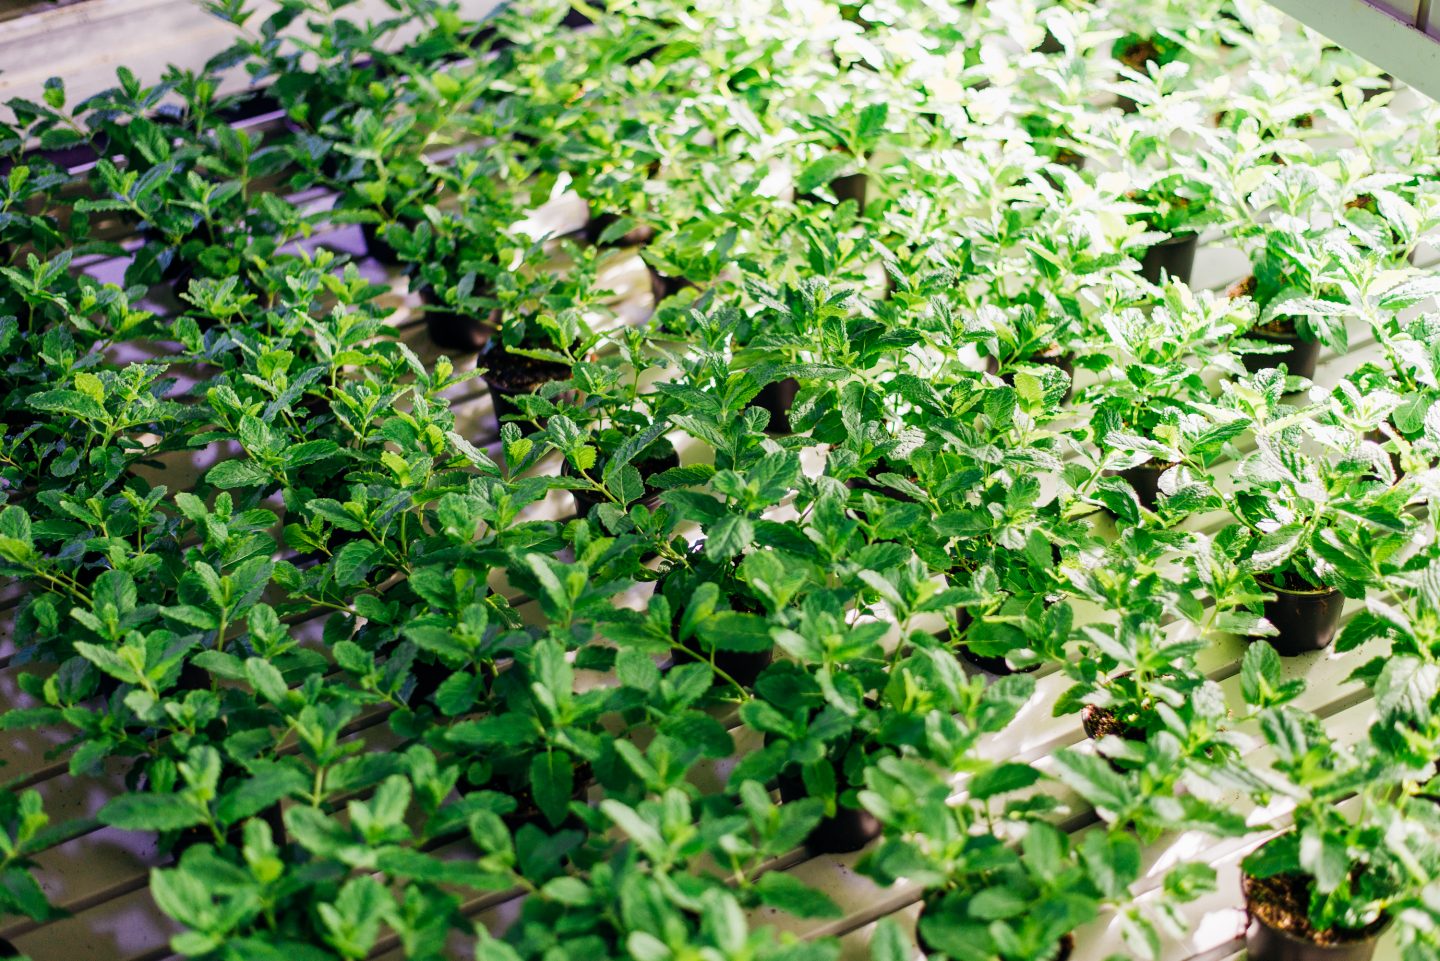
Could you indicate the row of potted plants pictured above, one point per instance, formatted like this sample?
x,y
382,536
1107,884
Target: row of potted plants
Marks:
x,y
926,417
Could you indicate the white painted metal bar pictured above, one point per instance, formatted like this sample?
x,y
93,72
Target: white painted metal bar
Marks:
x,y
1402,36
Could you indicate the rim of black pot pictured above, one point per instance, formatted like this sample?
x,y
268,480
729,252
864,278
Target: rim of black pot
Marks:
x,y
1264,579
1373,933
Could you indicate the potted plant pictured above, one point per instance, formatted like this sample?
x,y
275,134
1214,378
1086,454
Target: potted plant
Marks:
x,y
1321,888
1321,529
1177,204
1028,334
817,750
847,141
1154,384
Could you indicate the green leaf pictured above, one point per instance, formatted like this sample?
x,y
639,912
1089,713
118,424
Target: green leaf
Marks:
x,y
267,680
821,171
497,730
737,631
1001,779
641,831
1406,688
552,781
151,812
258,791
353,561
237,473
108,661
309,452
790,894
71,402
889,943
183,896
1095,780
637,669
729,536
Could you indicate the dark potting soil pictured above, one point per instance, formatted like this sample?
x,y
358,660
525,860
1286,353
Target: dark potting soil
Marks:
x,y
1138,54
1282,902
1101,721
518,374
1279,327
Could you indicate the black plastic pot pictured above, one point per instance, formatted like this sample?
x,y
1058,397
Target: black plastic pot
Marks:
x,y
178,273
1264,941
377,247
1174,256
1299,357
1145,478
428,675
849,829
993,664
636,236
455,330
741,666
849,187
1138,57
1063,361
777,397
508,376
1306,619
662,286
192,678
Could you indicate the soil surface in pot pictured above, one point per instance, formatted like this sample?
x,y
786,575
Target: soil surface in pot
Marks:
x,y
1102,722
1282,902
518,374
1138,54
1299,359
1277,328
